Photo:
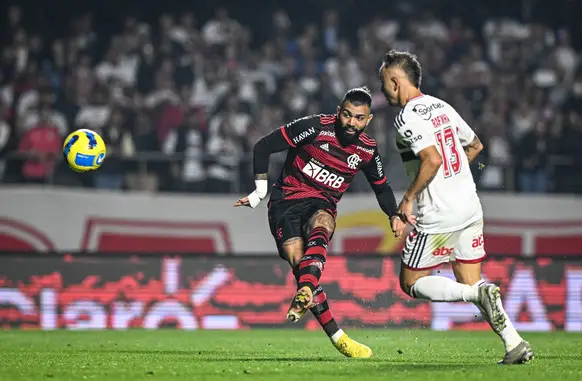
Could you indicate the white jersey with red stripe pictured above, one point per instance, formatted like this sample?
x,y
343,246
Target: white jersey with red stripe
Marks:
x,y
450,202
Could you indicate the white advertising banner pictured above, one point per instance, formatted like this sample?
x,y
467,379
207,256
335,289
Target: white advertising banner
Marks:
x,y
51,219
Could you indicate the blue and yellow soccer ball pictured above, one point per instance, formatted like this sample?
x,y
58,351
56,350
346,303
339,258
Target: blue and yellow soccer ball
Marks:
x,y
84,150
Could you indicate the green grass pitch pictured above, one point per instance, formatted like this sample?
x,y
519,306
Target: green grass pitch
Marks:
x,y
278,355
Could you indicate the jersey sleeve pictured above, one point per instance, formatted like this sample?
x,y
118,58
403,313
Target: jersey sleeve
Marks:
x,y
301,131
374,171
465,133
415,132
298,132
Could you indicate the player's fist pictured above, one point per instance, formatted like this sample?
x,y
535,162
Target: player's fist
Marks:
x,y
398,226
405,210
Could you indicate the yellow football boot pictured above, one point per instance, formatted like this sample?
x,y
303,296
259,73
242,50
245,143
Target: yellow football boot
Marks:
x,y
351,348
300,304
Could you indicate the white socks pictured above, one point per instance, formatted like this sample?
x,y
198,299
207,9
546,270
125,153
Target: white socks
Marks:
x,y
442,289
336,336
509,335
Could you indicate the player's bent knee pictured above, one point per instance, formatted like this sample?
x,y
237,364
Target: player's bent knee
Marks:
x,y
293,250
408,278
321,218
405,286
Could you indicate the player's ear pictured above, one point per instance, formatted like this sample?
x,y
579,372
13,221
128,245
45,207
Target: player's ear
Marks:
x,y
395,83
370,117
338,109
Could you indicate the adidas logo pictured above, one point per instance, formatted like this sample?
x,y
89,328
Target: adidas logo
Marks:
x,y
325,147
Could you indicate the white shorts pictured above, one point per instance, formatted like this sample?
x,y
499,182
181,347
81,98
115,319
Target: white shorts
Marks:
x,y
424,251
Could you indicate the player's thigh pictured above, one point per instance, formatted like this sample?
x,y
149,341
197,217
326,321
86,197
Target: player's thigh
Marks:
x,y
320,214
423,252
468,254
285,224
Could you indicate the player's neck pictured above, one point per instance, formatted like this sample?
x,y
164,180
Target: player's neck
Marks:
x,y
411,94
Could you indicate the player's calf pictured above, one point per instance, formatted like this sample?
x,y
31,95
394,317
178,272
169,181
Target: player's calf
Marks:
x,y
490,304
313,261
421,285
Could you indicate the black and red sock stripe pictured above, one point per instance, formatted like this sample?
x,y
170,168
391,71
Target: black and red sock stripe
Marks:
x,y
322,312
313,261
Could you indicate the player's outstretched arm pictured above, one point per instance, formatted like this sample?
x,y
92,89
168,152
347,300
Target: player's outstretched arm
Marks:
x,y
418,135
374,172
430,162
473,149
300,131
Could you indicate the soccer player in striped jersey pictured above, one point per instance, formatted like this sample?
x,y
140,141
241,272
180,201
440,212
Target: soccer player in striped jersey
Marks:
x,y
324,154
436,146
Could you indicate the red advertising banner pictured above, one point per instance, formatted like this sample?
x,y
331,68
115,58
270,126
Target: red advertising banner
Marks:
x,y
210,292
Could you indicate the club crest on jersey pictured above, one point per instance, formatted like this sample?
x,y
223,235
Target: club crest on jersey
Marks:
x,y
353,161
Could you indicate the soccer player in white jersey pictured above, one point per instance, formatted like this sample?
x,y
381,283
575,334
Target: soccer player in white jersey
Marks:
x,y
436,146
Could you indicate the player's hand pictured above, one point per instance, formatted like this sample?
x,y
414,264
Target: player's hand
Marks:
x,y
398,226
405,209
242,202
254,199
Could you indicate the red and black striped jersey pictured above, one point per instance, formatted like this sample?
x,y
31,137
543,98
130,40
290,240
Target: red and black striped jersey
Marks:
x,y
317,165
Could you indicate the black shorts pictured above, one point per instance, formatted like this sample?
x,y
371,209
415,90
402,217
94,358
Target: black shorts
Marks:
x,y
289,218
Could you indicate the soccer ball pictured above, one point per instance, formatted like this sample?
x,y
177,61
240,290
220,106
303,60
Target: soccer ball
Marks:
x,y
84,150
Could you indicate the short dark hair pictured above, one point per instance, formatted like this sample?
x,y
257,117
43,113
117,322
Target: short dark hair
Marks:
x,y
408,62
359,96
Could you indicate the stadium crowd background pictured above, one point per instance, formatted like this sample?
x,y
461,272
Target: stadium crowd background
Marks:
x,y
181,94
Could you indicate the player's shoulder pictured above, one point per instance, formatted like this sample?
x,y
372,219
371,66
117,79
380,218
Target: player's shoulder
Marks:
x,y
367,140
326,120
317,121
424,107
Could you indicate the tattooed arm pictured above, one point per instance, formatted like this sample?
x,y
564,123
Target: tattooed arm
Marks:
x,y
473,149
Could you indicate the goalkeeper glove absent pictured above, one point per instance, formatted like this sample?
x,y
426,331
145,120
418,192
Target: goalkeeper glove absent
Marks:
x,y
259,193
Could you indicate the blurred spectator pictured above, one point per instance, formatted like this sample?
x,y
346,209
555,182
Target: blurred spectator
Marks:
x,y
117,136
41,143
532,167
181,101
189,140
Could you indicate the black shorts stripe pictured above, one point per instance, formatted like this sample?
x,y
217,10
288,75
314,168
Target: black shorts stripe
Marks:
x,y
420,251
414,250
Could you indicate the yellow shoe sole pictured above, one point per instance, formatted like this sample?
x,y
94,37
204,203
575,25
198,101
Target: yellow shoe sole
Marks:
x,y
300,304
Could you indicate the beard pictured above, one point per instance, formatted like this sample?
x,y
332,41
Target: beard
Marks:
x,y
344,138
392,102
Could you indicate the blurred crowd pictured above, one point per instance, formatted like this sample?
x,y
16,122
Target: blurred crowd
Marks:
x,y
181,101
